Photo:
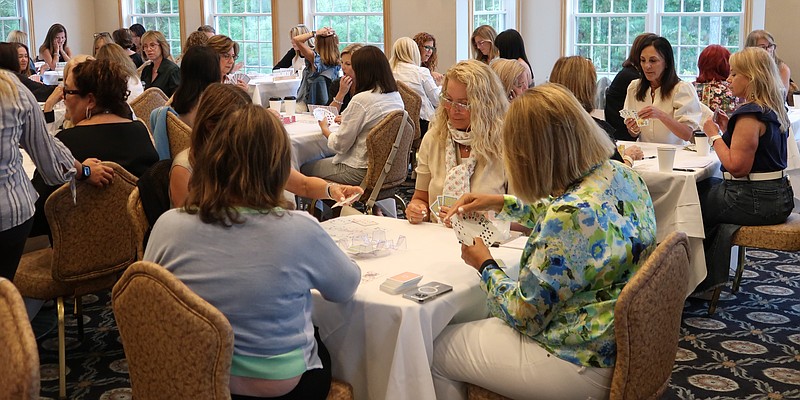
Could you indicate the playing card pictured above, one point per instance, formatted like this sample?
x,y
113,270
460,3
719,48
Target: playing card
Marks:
x,y
241,76
471,225
448,201
321,113
435,208
347,200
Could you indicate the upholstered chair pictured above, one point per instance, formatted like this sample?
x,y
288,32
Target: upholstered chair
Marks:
x,y
19,357
179,135
148,101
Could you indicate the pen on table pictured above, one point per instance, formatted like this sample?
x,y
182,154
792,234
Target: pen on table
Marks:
x,y
683,169
648,158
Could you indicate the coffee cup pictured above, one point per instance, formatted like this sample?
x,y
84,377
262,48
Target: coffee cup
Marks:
x,y
701,143
275,103
796,99
290,105
666,158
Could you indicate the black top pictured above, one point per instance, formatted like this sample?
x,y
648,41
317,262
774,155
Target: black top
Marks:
x,y
615,101
168,78
286,61
39,90
137,59
333,89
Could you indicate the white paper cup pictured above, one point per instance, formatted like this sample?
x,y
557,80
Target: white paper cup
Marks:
x,y
275,105
666,158
701,145
290,106
796,98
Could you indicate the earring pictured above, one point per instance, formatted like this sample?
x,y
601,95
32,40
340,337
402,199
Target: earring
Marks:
x,y
88,113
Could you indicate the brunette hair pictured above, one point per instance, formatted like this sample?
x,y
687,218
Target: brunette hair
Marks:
x,y
207,29
579,76
116,53
372,71
486,32
8,56
713,64
123,38
159,38
636,49
229,174
510,45
217,101
54,30
328,49
199,69
433,60
106,81
137,29
752,41
669,78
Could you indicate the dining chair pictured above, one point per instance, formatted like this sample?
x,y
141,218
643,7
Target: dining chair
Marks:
x,y
388,147
165,327
148,101
138,221
19,358
179,135
412,103
93,241
647,319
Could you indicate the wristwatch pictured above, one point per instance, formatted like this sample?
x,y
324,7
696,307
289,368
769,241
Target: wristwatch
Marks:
x,y
86,172
712,139
313,33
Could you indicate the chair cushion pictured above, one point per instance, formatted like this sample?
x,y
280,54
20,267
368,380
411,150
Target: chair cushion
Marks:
x,y
785,236
34,276
340,390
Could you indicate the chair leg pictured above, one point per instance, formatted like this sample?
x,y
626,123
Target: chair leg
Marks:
x,y
739,269
79,316
62,352
401,204
712,305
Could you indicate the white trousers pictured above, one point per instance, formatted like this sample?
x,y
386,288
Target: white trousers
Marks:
x,y
492,355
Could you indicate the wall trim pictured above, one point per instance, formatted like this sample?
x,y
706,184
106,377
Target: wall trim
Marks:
x,y
275,34
31,30
387,37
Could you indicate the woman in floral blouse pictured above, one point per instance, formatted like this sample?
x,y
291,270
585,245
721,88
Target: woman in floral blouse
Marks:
x,y
593,226
711,84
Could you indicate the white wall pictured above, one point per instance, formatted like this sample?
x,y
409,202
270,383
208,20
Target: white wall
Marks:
x,y
77,16
781,20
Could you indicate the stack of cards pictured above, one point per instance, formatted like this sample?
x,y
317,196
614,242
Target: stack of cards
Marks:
x,y
400,283
625,114
441,201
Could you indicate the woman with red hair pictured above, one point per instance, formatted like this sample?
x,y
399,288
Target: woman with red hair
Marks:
x,y
711,84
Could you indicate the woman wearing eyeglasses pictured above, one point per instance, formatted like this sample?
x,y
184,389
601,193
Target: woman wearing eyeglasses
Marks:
x,y
100,40
482,41
427,52
462,151
228,51
765,40
405,62
162,73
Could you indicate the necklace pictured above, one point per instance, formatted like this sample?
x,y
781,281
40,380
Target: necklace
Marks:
x,y
466,148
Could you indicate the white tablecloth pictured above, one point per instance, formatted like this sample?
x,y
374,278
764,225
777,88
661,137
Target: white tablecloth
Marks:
x,y
383,344
267,88
308,142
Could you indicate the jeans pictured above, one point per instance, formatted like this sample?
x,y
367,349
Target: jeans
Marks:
x,y
726,206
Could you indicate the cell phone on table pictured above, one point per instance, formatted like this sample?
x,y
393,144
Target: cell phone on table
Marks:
x,y
428,291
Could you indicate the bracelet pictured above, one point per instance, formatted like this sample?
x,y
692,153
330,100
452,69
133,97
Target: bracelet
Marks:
x,y
337,102
713,139
628,159
328,191
490,263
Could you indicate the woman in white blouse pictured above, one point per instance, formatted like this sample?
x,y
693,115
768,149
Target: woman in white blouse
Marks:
x,y
670,105
405,62
376,96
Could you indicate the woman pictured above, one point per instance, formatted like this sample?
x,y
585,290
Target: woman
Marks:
x,y
55,49
101,39
137,31
711,84
482,42
462,151
427,50
234,217
343,89
578,75
293,59
755,190
94,96
57,122
17,36
376,96
765,40
217,102
228,51
552,335
162,73
196,38
322,64
14,58
23,128
618,90
202,68
510,46
670,105
405,62
124,38
513,77
114,52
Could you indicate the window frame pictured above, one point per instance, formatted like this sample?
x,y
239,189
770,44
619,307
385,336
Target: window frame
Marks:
x,y
211,18
511,12
127,16
310,20
25,23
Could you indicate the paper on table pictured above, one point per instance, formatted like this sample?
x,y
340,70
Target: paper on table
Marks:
x,y
693,162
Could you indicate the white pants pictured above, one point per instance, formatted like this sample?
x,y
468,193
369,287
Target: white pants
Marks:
x,y
492,355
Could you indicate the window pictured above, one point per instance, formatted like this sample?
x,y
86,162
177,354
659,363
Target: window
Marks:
x,y
355,21
12,17
249,23
603,30
159,15
499,14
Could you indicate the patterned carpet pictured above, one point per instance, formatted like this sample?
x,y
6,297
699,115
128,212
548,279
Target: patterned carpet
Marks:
x,y
750,349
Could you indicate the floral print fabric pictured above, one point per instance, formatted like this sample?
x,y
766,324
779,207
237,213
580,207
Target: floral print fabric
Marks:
x,y
585,246
717,95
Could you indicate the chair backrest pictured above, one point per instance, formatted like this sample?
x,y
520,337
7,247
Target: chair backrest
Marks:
x,y
647,320
413,104
92,238
138,220
19,357
179,135
178,346
148,101
384,157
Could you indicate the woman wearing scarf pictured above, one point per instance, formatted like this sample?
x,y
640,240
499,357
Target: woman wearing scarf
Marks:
x,y
462,151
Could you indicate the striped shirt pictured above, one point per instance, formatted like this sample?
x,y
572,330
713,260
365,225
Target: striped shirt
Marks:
x,y
22,125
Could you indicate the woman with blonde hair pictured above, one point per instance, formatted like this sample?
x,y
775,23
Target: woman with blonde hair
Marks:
x,y
513,77
427,51
162,72
405,61
117,54
482,42
463,149
234,215
293,58
551,333
343,89
752,148
101,39
323,64
765,40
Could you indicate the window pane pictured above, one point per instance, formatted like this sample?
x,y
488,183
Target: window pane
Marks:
x,y
600,58
375,30
600,30
688,61
712,5
619,29
730,28
636,26
705,30
618,56
602,6
672,6
584,30
359,6
324,5
733,6
689,31
585,51
585,6
376,6
691,5
639,6
669,29
621,6
340,6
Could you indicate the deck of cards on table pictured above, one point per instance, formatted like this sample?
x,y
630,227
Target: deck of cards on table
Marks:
x,y
400,283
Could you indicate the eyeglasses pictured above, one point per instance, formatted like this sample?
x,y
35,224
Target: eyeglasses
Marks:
x,y
430,48
768,46
101,34
229,56
70,91
149,45
454,105
482,42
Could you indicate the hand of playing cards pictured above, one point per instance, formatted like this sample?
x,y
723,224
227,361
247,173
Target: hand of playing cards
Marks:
x,y
468,226
441,201
625,114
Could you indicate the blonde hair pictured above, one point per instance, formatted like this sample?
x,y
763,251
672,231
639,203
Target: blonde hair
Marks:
x,y
764,87
196,38
8,84
486,32
17,36
550,141
351,48
405,50
328,50
508,71
298,30
579,76
488,108
73,62
117,54
159,38
104,38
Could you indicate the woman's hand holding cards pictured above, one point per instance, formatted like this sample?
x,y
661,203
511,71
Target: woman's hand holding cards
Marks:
x,y
475,202
476,254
